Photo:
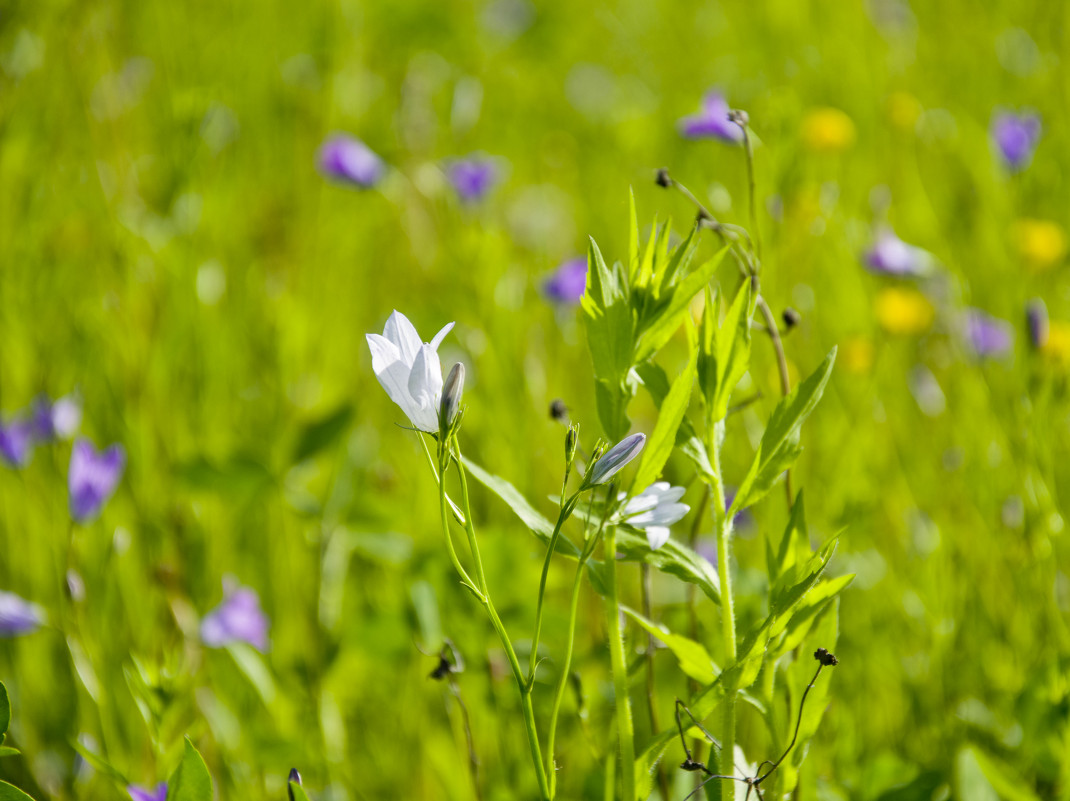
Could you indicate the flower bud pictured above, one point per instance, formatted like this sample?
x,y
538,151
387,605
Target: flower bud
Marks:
x,y
451,397
791,317
615,458
295,778
572,441
1036,318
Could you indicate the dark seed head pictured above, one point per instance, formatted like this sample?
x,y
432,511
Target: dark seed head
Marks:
x,y
442,670
662,179
691,765
558,410
791,317
825,658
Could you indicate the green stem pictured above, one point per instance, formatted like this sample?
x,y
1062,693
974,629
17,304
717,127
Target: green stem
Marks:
x,y
441,476
562,683
723,530
503,635
625,729
566,511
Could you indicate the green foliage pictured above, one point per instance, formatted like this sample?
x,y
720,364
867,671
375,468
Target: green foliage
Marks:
x,y
10,793
191,780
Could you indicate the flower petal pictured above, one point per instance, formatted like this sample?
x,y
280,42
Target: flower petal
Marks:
x,y
441,335
656,536
402,333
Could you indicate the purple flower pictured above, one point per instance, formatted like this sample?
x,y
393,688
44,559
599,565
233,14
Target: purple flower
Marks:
x,y
890,255
1015,137
712,121
472,177
568,282
143,794
1036,320
59,420
348,159
93,477
17,615
238,619
16,442
987,335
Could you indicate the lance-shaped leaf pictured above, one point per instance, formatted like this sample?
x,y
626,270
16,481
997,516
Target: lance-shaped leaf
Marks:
x,y
673,558
657,384
8,792
692,656
670,415
191,780
5,711
658,330
779,447
528,514
725,349
608,317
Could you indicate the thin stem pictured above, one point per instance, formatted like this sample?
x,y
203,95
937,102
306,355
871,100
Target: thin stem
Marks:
x,y
752,192
798,724
563,515
625,729
469,526
651,684
499,627
782,369
446,531
723,531
473,758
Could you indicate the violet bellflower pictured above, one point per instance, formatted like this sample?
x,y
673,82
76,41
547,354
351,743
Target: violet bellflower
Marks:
x,y
93,477
1015,137
56,419
18,616
890,255
348,160
568,282
409,369
614,459
138,793
238,618
16,442
472,177
987,336
654,510
712,121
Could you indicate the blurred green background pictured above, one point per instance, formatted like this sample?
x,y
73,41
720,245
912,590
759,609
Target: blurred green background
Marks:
x,y
170,250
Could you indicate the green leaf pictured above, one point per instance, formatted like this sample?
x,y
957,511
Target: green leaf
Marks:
x,y
673,558
779,447
725,350
528,514
8,792
251,663
612,398
657,384
297,792
191,780
608,318
785,595
6,751
692,657
657,332
5,711
633,235
671,414
1008,785
318,434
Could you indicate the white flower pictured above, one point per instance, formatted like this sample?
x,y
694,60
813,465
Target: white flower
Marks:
x,y
409,369
654,510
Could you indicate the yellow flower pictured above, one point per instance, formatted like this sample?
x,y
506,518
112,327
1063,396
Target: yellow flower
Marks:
x,y
1057,348
1040,243
903,311
827,130
856,355
903,110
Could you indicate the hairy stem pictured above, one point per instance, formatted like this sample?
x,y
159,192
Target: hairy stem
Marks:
x,y
625,729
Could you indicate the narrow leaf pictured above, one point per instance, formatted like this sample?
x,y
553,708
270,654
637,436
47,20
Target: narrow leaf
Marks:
x,y
779,446
671,415
692,657
8,792
5,711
